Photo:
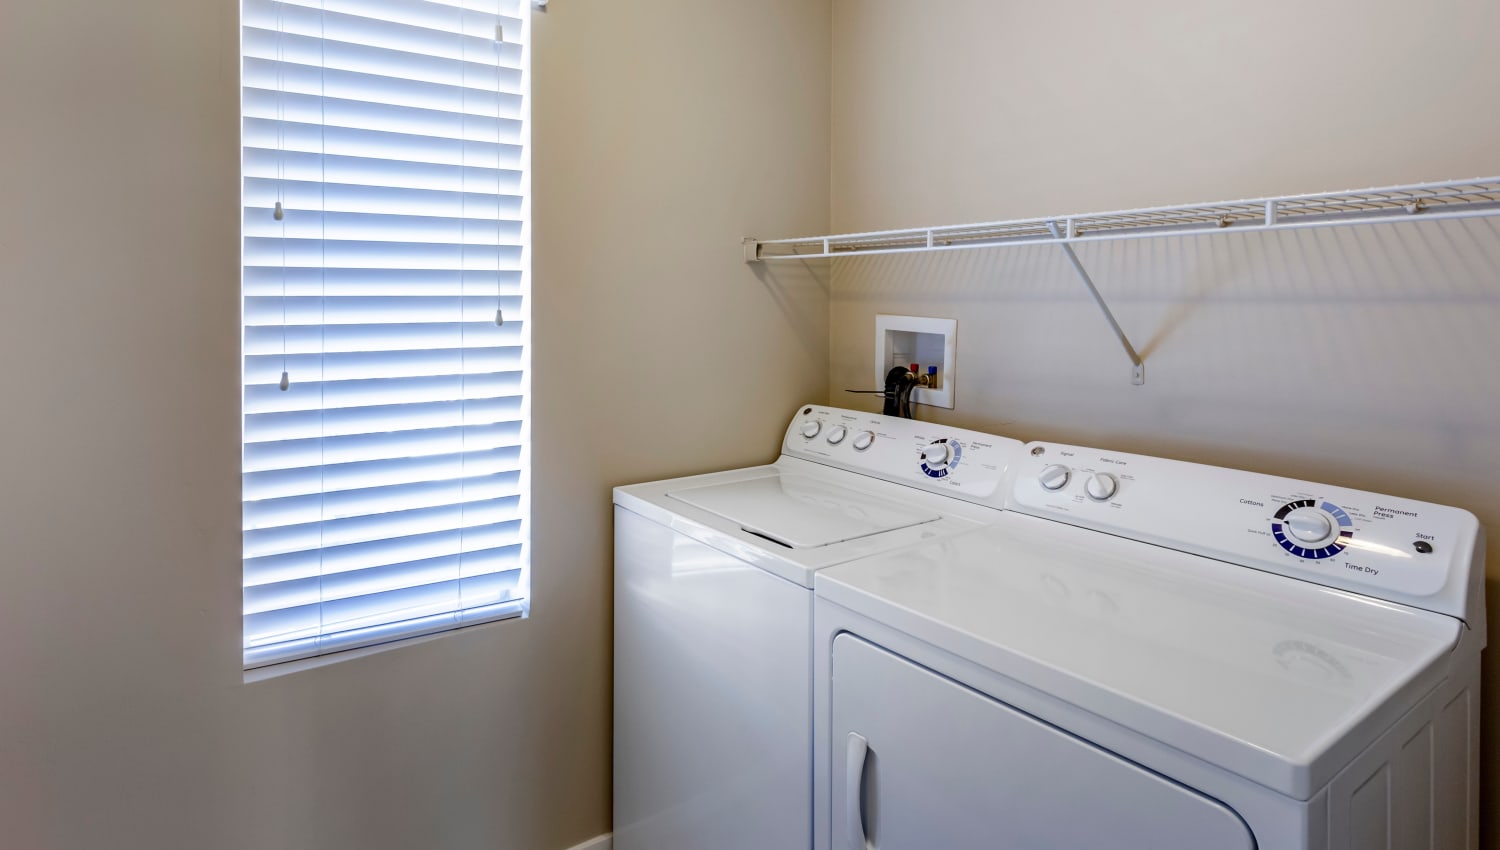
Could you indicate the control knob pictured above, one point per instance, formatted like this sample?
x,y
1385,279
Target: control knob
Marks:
x,y
937,455
1101,486
1313,529
1054,477
1309,525
863,440
836,434
811,427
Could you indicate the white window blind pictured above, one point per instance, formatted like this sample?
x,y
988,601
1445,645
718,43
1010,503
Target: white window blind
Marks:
x,y
385,275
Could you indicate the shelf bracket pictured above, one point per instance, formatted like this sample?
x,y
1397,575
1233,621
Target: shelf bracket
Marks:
x,y
752,249
1138,368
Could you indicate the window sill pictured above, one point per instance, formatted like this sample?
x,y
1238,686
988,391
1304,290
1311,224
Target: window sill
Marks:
x,y
286,668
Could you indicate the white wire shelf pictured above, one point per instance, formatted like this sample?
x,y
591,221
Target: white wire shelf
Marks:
x,y
1459,199
1422,202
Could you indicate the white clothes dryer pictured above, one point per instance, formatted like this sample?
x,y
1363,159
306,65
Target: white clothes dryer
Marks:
x,y
1144,654
713,615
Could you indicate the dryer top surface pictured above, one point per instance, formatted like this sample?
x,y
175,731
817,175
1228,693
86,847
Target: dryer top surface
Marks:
x,y
1268,676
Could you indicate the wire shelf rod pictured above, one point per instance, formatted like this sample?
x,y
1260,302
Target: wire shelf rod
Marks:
x,y
1427,200
920,244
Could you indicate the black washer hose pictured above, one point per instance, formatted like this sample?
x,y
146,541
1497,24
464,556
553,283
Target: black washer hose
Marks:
x,y
898,386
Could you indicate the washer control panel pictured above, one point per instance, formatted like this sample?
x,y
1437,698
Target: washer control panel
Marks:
x,y
953,461
1398,549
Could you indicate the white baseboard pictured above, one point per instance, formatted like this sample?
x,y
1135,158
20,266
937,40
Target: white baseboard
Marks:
x,y
600,842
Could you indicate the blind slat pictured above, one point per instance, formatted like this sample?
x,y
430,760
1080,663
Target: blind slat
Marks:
x,y
344,366
261,194
303,592
288,80
387,525
436,20
300,481
310,630
287,123
263,251
291,650
384,226
324,339
304,230
298,510
416,283
302,424
362,556
358,448
273,310
313,395
351,51
438,170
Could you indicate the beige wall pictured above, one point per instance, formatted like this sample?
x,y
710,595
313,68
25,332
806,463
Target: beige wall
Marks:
x,y
124,720
1362,356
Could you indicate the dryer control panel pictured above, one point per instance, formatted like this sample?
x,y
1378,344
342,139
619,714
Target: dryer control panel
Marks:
x,y
1416,553
955,462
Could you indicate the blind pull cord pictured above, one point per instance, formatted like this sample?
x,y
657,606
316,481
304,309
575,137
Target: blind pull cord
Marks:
x,y
286,381
279,213
499,286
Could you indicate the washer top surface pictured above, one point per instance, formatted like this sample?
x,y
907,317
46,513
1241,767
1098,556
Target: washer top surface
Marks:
x,y
1270,677
847,485
802,512
793,518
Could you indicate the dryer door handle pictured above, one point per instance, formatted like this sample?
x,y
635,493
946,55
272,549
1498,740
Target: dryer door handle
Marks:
x,y
854,780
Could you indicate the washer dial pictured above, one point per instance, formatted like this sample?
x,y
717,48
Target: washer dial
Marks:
x,y
1311,529
1054,477
940,456
836,434
810,428
1101,486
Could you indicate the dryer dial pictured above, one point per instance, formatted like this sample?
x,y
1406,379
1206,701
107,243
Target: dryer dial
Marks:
x,y
1309,525
1308,528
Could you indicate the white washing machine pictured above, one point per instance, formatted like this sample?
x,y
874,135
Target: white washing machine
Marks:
x,y
713,615
1144,654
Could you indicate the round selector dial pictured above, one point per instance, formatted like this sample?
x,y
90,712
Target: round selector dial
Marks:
x,y
1101,486
940,456
1308,525
863,440
836,434
1054,477
1308,528
810,428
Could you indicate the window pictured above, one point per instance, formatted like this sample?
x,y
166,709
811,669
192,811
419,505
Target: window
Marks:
x,y
385,320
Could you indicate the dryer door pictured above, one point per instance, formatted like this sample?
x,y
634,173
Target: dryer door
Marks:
x,y
922,762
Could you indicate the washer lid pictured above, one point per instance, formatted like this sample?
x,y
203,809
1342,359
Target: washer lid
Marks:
x,y
1279,680
802,512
